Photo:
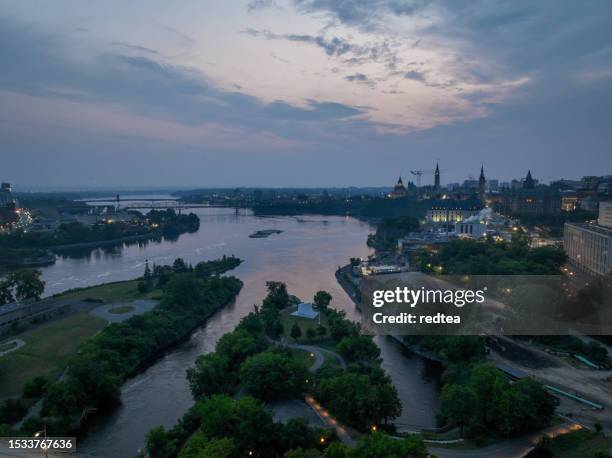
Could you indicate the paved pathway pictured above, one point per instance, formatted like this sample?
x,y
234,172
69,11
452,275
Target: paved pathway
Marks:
x,y
139,307
331,422
18,343
319,355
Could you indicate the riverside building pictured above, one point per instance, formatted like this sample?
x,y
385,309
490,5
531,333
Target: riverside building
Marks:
x,y
589,246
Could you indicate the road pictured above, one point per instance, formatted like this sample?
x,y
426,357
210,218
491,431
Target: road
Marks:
x,y
514,448
319,355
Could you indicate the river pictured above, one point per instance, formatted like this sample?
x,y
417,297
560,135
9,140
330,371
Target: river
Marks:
x,y
304,256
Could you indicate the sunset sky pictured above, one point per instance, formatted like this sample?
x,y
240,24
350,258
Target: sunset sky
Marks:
x,y
302,92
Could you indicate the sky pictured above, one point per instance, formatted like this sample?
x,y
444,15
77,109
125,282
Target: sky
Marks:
x,y
303,93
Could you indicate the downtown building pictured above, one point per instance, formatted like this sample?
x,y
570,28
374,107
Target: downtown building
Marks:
x,y
452,211
589,246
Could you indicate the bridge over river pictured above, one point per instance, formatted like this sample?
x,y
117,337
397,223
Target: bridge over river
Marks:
x,y
139,203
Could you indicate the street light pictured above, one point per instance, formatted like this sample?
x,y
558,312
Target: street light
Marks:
x,y
44,445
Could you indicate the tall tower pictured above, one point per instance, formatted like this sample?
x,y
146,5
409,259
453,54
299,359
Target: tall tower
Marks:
x,y
437,178
482,181
529,182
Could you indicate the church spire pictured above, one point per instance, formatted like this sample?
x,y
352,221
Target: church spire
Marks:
x,y
482,181
529,182
437,177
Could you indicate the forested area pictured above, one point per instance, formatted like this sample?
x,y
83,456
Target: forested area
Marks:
x,y
478,398
389,230
490,257
250,362
93,377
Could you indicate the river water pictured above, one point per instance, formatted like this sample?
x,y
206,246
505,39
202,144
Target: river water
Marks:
x,y
304,256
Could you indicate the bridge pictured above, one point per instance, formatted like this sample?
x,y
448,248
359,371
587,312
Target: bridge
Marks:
x,y
151,203
166,205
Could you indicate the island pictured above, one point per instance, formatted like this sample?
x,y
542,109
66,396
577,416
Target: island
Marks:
x,y
264,233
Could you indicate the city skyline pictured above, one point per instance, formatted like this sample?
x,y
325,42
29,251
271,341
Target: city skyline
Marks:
x,y
303,93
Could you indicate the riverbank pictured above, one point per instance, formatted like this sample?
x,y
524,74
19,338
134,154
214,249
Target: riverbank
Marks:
x,y
344,278
30,247
254,365
103,362
304,256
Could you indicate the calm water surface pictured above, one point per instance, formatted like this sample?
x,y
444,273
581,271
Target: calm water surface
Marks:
x,y
305,257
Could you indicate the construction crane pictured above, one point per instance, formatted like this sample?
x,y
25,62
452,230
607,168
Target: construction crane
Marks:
x,y
419,174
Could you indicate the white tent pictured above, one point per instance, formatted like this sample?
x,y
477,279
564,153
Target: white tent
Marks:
x,y
305,310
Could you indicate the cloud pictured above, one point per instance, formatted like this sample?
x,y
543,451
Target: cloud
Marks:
x,y
356,77
133,47
332,47
255,5
361,13
145,85
415,75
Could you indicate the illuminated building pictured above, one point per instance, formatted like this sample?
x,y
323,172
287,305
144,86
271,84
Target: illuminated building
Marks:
x,y
589,246
452,211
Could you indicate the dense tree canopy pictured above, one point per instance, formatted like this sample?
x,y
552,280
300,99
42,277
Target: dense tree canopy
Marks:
x,y
21,285
488,257
485,402
103,362
274,374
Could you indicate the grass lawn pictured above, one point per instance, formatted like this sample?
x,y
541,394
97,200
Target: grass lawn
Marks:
x,y
46,351
304,323
120,309
121,291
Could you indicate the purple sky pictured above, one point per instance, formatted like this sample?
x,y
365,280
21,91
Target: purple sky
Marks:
x,y
302,92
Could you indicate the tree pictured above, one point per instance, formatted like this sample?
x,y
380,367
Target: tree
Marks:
x,y
523,407
27,284
147,279
388,404
311,333
296,331
458,404
179,265
382,446
321,330
322,300
238,345
11,411
211,375
158,443
302,453
35,387
200,447
273,375
337,450
63,398
6,292
359,349
246,421
356,400
296,433
278,296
